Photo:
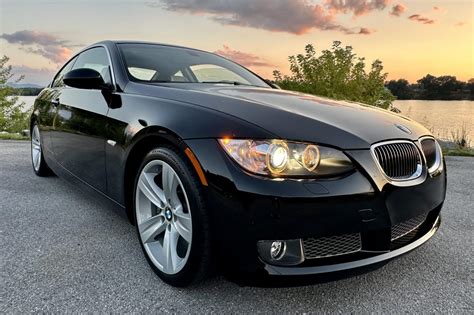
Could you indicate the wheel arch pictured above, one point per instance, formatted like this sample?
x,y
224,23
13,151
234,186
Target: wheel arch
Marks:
x,y
33,118
145,141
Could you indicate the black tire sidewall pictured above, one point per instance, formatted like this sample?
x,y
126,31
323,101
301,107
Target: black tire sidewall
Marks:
x,y
191,270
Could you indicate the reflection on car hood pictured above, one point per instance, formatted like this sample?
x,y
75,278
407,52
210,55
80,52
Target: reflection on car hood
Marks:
x,y
295,116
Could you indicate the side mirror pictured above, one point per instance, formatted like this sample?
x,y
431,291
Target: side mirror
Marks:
x,y
84,78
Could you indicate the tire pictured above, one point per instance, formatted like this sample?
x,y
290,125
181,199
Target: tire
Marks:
x,y
37,158
171,218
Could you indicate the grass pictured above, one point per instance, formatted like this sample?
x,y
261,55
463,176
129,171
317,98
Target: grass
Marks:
x,y
459,152
12,136
462,143
460,138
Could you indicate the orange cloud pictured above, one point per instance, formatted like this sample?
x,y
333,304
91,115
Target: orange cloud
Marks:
x,y
398,9
421,19
365,31
289,16
243,58
44,44
357,7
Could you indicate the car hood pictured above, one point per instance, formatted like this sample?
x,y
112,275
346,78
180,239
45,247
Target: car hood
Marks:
x,y
295,116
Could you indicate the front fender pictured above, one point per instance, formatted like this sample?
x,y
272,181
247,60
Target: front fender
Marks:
x,y
140,117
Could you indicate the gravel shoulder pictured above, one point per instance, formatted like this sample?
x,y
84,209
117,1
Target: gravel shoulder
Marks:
x,y
63,251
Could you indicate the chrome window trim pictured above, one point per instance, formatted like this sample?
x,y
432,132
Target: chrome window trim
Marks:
x,y
437,166
109,58
418,177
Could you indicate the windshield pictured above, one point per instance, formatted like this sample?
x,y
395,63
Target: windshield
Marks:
x,y
166,64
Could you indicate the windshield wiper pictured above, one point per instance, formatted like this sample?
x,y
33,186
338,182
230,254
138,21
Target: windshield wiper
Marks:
x,y
226,82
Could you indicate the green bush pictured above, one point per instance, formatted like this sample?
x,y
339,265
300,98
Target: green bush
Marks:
x,y
12,118
339,74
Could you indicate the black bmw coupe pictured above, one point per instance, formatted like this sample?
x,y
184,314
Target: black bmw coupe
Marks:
x,y
217,167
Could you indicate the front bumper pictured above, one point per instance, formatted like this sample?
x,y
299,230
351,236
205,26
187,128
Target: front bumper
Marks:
x,y
246,209
376,258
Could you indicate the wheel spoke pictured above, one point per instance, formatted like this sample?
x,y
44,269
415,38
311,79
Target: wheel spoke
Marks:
x,y
35,155
151,228
183,224
147,185
37,158
170,243
170,183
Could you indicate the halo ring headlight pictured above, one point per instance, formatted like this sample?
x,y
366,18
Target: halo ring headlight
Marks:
x,y
310,157
277,157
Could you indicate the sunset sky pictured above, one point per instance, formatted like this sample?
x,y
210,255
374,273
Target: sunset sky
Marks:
x,y
411,37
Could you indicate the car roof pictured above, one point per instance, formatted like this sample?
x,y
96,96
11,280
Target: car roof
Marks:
x,y
108,42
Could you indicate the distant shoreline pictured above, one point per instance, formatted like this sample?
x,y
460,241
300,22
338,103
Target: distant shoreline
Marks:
x,y
27,91
36,91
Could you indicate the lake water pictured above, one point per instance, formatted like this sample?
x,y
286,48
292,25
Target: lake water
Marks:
x,y
441,117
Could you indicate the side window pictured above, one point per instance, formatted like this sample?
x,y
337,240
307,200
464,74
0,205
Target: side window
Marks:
x,y
58,79
96,59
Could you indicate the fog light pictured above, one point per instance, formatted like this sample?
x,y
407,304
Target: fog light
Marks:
x,y
277,250
281,253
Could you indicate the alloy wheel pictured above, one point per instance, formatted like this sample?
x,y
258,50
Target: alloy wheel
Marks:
x,y
163,216
36,148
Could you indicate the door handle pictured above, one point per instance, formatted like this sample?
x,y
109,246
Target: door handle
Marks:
x,y
55,102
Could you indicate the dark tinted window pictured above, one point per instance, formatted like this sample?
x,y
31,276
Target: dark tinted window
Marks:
x,y
96,59
58,80
160,63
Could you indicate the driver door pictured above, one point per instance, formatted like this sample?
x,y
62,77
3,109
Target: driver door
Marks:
x,y
80,126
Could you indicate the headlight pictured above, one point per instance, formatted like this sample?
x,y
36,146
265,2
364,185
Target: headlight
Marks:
x,y
278,158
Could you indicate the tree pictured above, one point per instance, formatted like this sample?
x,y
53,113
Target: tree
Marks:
x,y
337,73
443,87
470,88
401,88
12,118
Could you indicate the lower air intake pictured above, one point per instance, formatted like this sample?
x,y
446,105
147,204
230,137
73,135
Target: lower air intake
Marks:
x,y
331,246
403,228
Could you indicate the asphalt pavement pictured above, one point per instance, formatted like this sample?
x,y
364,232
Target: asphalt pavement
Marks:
x,y
63,251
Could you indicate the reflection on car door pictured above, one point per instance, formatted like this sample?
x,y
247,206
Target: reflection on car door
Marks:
x,y
47,105
80,124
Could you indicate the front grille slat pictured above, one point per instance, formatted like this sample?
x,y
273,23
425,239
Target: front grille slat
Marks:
x,y
385,158
403,165
398,160
330,246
